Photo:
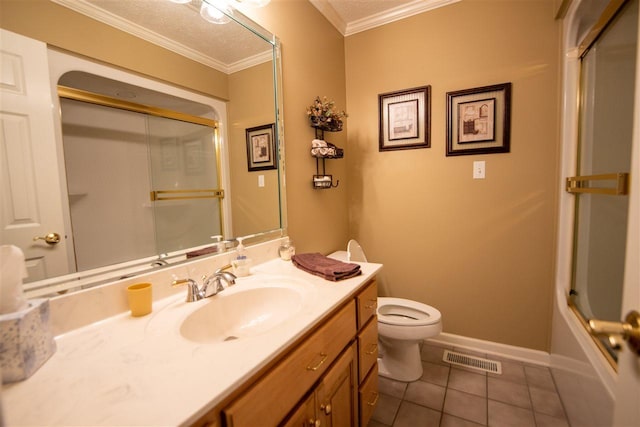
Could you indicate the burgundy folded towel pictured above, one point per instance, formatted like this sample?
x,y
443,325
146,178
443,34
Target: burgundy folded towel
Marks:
x,y
325,267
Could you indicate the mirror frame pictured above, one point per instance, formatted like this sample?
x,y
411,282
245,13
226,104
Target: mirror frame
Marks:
x,y
81,280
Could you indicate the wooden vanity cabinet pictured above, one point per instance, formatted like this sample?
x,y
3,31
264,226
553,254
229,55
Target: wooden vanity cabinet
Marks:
x,y
367,339
273,396
327,379
333,403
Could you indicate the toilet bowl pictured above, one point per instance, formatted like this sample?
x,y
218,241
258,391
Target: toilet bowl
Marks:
x,y
402,325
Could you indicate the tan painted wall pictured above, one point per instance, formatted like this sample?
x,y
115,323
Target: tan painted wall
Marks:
x,y
481,251
313,64
254,208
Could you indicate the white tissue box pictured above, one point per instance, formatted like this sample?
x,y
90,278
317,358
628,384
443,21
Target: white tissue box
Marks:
x,y
26,341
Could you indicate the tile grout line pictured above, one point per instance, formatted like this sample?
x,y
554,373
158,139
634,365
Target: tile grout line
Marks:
x,y
555,388
444,399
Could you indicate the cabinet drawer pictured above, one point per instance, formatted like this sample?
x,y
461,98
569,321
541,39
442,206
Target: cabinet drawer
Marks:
x,y
269,400
367,348
368,396
367,301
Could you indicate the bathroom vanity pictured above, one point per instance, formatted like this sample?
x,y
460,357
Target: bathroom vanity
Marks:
x,y
314,364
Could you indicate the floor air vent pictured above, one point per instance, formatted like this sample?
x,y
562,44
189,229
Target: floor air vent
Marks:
x,y
472,362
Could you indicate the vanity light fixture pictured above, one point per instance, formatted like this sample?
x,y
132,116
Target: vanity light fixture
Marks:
x,y
211,11
216,11
252,3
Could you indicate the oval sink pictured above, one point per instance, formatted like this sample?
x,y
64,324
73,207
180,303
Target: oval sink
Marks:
x,y
248,312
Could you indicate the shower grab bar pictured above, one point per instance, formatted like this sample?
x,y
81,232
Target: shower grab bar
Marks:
x,y
578,184
209,193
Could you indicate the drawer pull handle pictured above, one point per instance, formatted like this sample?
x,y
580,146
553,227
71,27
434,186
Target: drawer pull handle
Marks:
x,y
323,357
373,347
372,304
314,423
375,399
326,408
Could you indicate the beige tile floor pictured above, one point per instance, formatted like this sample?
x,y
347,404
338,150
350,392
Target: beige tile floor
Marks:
x,y
523,395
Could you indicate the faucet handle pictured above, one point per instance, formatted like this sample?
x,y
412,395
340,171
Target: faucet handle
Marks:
x,y
193,292
211,286
229,277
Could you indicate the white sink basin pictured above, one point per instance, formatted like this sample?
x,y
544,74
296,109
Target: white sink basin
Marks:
x,y
242,311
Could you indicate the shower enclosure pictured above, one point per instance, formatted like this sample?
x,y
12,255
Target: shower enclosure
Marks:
x,y
139,184
607,80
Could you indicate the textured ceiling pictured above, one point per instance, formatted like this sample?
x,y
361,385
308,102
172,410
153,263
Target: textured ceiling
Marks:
x,y
180,28
231,47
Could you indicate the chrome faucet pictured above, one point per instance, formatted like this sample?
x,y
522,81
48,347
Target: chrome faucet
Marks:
x,y
210,285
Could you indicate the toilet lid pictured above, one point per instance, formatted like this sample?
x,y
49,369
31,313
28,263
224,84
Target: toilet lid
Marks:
x,y
404,312
355,252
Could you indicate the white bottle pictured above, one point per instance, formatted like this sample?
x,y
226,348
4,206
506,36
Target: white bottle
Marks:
x,y
241,264
220,245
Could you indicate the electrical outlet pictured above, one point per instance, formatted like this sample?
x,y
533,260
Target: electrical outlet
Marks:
x,y
478,169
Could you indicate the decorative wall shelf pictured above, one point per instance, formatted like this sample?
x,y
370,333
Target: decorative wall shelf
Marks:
x,y
322,150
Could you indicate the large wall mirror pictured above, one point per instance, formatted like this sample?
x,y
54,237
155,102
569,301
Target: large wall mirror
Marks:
x,y
158,145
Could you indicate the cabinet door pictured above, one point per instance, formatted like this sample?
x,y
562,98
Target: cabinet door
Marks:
x,y
304,415
337,393
368,396
274,395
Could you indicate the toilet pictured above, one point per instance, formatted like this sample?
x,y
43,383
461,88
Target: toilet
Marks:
x,y
402,325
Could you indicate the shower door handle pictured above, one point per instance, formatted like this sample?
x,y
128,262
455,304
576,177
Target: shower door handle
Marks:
x,y
629,330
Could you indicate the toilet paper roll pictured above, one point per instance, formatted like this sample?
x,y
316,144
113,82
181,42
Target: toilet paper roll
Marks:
x,y
12,271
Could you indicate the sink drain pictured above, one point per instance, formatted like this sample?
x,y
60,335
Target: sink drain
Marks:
x,y
230,338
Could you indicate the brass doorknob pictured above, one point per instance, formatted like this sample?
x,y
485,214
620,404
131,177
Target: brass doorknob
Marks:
x,y
51,238
629,330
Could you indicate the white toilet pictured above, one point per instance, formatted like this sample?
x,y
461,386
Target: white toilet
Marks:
x,y
402,325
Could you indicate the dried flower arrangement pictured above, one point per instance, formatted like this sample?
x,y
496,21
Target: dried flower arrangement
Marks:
x,y
323,115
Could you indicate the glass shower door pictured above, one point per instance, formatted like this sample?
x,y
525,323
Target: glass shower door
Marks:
x,y
606,120
185,184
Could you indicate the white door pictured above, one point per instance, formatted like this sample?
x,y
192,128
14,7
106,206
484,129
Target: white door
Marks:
x,y
627,410
29,181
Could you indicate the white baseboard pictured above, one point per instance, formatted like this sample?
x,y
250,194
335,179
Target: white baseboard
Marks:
x,y
522,354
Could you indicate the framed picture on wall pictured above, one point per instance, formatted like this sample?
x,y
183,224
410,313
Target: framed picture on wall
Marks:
x,y
405,119
479,120
261,150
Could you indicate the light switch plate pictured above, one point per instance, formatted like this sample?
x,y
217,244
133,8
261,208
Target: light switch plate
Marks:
x,y
478,169
260,180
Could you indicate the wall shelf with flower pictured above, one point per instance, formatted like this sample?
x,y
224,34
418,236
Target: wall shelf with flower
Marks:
x,y
324,117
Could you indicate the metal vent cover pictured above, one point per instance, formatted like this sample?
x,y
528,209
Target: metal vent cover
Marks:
x,y
473,362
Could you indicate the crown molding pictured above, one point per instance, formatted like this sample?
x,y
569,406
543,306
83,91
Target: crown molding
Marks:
x,y
391,15
249,62
330,13
101,15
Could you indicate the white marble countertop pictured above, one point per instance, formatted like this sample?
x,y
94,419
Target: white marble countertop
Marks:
x,y
142,372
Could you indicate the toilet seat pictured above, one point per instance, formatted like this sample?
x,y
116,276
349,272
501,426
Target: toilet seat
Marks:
x,y
404,312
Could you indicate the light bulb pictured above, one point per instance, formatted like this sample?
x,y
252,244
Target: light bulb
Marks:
x,y
180,1
253,3
214,14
